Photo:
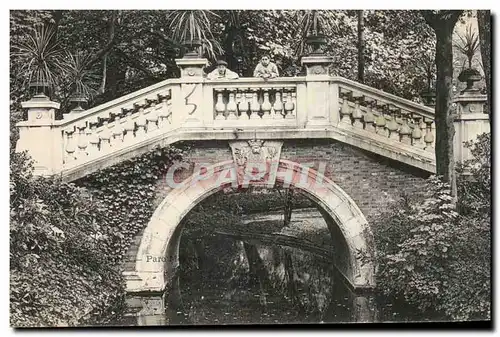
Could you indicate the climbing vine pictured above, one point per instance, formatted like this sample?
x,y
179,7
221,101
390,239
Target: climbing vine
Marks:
x,y
127,192
67,240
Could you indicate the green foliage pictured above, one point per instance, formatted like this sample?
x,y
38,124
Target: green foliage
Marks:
x,y
127,192
40,57
436,255
469,44
67,241
189,25
145,47
58,271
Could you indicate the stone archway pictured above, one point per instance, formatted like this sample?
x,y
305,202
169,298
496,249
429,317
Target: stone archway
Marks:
x,y
158,254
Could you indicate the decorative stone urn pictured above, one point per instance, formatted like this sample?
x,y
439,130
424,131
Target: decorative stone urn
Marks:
x,y
40,87
469,76
317,41
429,97
192,47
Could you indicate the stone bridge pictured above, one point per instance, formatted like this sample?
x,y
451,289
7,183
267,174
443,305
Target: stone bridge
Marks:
x,y
349,147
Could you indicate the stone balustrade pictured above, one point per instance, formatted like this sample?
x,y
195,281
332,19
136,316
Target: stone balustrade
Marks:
x,y
250,102
385,115
193,107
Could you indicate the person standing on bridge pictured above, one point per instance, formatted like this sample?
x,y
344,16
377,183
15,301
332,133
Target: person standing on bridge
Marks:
x,y
266,69
221,72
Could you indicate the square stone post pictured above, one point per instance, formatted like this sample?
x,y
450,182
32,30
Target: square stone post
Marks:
x,y
470,121
189,104
40,136
319,96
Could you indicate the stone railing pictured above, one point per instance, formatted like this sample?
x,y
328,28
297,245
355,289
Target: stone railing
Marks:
x,y
386,115
248,101
192,107
103,131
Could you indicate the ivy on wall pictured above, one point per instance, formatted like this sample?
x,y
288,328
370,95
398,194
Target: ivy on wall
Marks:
x,y
67,240
127,191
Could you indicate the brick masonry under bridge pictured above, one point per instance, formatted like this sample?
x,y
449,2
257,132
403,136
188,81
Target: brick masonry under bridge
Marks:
x,y
372,181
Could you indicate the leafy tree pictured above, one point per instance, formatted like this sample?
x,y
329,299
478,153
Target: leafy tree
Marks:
x,y
435,256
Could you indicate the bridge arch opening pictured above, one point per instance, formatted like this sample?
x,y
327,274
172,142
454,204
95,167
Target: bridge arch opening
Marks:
x,y
157,258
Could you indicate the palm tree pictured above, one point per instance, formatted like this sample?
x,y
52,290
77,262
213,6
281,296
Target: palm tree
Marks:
x,y
41,58
313,27
469,45
82,79
192,29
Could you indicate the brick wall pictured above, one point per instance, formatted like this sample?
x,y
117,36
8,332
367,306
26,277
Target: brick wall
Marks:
x,y
370,180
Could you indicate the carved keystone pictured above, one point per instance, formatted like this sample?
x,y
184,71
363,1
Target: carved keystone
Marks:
x,y
256,161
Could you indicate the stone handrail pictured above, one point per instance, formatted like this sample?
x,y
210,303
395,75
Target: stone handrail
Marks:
x,y
193,107
253,102
386,115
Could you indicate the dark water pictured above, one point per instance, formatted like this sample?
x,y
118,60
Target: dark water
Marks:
x,y
227,281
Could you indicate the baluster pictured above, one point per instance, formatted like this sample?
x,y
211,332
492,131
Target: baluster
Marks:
x,y
93,138
254,105
290,105
266,105
70,146
278,106
237,99
129,126
231,106
117,131
152,101
423,129
165,109
345,109
380,121
392,126
152,118
141,122
405,131
369,117
220,107
429,137
243,106
82,139
356,112
416,134
105,135
165,113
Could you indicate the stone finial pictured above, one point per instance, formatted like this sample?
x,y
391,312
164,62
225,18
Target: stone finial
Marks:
x,y
192,68
41,108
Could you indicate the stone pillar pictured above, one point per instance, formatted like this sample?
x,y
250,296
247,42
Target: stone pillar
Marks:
x,y
470,121
320,98
364,308
40,136
190,103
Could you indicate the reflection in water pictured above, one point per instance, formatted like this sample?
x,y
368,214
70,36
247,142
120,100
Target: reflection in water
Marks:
x,y
248,283
260,278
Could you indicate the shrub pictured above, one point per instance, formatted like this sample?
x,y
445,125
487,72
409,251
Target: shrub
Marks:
x,y
434,256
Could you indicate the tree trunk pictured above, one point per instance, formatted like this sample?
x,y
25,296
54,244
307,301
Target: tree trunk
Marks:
x,y
361,47
443,22
484,25
445,130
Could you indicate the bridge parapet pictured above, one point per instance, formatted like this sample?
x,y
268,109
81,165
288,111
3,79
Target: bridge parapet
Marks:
x,y
385,115
193,107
